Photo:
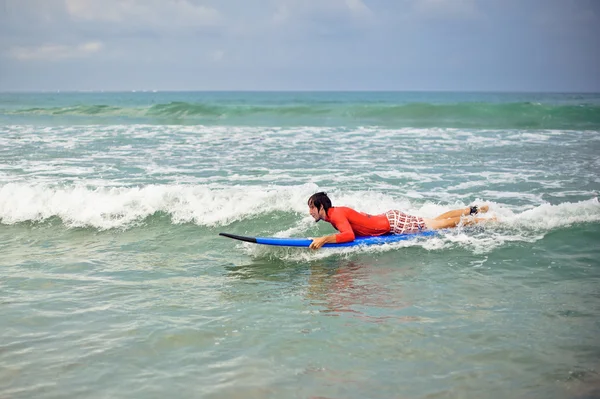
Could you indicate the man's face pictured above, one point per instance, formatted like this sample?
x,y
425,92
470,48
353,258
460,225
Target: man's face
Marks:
x,y
314,212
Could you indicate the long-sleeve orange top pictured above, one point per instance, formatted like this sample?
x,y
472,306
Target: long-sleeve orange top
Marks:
x,y
351,223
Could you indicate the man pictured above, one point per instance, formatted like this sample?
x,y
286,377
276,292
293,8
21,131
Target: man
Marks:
x,y
351,223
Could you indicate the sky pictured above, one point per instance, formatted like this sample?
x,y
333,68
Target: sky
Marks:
x,y
429,45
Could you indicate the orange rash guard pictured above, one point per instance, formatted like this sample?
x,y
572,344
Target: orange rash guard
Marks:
x,y
351,223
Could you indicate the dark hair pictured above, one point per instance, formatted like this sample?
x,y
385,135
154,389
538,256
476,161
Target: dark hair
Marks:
x,y
320,199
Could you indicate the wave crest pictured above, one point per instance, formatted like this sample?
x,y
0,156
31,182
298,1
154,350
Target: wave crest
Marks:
x,y
523,115
205,205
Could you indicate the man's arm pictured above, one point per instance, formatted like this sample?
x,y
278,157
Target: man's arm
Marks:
x,y
320,241
346,234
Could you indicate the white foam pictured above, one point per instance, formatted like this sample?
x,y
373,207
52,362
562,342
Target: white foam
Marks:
x,y
547,216
214,204
179,154
535,198
120,207
415,176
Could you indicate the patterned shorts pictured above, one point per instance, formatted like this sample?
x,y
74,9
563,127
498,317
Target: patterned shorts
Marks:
x,y
401,223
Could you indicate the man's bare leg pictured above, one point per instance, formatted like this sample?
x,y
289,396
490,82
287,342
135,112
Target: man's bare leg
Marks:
x,y
435,224
461,212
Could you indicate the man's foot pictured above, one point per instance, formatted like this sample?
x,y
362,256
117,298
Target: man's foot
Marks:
x,y
475,209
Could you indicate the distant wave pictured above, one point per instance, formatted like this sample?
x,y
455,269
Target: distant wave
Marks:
x,y
466,115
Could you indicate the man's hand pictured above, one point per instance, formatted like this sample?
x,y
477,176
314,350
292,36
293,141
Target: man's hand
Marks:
x,y
320,241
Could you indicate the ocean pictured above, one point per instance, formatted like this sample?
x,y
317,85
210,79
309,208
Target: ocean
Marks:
x,y
114,282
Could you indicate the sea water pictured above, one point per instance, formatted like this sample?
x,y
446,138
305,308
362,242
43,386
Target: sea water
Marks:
x,y
114,282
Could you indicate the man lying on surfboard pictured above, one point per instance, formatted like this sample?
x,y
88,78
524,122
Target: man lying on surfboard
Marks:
x,y
351,223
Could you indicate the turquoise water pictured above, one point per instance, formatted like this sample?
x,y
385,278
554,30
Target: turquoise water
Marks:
x,y
115,283
341,109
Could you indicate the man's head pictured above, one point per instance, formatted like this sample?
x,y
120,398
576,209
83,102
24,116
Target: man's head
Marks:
x,y
318,205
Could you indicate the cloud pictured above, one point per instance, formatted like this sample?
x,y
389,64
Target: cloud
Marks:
x,y
446,9
287,10
282,14
359,9
287,44
53,52
218,55
172,14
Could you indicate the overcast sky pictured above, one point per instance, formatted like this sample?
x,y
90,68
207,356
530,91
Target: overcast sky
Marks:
x,y
465,45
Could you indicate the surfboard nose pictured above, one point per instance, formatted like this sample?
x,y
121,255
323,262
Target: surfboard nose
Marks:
x,y
241,238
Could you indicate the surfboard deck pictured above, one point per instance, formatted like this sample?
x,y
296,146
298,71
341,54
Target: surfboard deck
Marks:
x,y
305,242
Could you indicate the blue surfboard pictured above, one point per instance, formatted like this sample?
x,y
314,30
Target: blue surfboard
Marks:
x,y
305,242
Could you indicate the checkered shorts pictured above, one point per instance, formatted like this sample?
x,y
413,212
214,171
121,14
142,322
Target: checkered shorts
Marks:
x,y
401,223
